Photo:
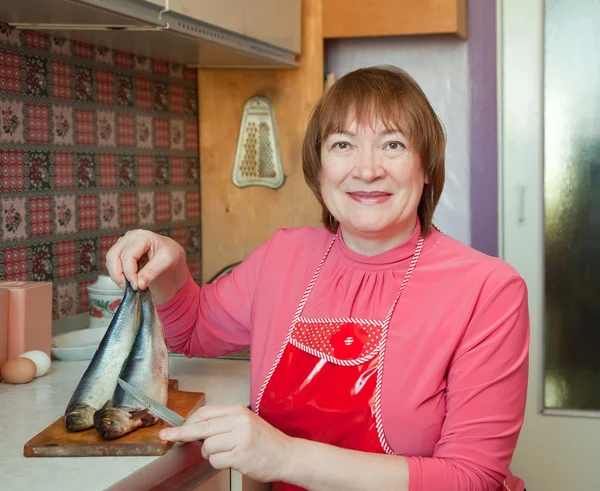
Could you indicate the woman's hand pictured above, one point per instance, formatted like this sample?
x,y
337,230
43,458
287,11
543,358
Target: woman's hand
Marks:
x,y
234,437
148,259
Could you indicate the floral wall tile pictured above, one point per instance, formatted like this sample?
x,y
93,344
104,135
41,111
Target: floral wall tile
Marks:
x,y
145,170
10,70
83,84
12,121
85,163
38,127
63,125
126,170
12,170
10,34
159,96
128,209
40,216
104,55
87,212
62,84
36,75
64,170
161,133
163,206
177,135
124,90
106,128
13,218
67,300
143,64
109,210
38,170
146,208
192,205
126,130
42,259
13,266
93,143
144,131
60,46
87,255
177,206
64,214
85,127
161,166
105,86
66,258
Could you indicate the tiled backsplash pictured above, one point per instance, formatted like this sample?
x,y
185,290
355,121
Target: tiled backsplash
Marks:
x,y
93,142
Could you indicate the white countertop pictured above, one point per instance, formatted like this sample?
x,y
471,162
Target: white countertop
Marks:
x,y
27,409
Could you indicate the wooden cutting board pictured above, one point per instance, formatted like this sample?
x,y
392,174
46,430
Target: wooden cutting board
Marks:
x,y
56,441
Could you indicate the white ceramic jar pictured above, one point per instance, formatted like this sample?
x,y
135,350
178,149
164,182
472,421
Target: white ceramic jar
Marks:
x,y
105,298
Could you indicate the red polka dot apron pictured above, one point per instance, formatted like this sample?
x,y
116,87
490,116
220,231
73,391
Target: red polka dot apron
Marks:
x,y
325,384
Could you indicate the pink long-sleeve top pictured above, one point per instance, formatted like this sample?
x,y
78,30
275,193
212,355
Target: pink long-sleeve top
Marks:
x,y
456,360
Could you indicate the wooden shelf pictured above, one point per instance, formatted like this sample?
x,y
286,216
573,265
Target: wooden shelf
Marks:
x,y
365,18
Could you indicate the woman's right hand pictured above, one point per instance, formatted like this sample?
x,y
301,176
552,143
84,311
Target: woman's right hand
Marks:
x,y
148,260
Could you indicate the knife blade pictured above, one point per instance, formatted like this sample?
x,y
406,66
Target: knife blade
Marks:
x,y
153,406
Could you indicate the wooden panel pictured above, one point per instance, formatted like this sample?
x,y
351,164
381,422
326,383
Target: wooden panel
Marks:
x,y
235,221
240,482
342,18
218,482
56,441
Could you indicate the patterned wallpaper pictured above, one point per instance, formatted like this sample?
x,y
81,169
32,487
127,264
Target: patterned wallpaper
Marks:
x,y
93,142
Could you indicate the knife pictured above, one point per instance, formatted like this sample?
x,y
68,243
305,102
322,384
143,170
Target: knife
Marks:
x,y
153,406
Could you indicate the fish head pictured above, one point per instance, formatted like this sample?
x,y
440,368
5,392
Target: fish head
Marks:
x,y
80,417
112,422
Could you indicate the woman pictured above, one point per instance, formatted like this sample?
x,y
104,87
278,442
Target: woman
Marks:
x,y
385,355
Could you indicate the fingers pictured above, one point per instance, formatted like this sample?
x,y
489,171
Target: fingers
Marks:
x,y
217,411
198,430
113,262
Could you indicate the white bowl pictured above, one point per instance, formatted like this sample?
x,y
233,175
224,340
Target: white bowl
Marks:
x,y
77,345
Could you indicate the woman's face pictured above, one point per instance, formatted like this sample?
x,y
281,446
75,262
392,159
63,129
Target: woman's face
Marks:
x,y
371,182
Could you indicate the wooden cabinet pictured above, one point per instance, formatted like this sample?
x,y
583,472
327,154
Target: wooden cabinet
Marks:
x,y
277,22
361,18
221,481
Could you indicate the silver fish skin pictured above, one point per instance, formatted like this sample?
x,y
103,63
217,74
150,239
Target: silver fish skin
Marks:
x,y
99,380
147,369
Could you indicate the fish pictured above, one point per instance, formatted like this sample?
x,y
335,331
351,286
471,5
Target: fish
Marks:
x,y
99,380
146,369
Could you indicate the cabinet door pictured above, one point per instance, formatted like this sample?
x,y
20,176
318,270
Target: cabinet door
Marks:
x,y
243,483
221,481
276,22
227,14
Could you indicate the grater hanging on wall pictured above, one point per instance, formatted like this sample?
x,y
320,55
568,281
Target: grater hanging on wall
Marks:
x,y
257,159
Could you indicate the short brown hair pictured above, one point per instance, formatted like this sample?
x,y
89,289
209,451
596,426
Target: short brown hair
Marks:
x,y
388,94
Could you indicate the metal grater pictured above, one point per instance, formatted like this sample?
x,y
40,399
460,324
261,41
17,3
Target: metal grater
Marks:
x,y
258,160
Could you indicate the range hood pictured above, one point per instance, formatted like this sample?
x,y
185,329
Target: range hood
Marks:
x,y
147,28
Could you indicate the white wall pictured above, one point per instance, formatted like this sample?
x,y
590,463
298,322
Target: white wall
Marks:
x,y
440,65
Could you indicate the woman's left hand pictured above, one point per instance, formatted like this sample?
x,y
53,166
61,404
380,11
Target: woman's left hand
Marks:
x,y
235,437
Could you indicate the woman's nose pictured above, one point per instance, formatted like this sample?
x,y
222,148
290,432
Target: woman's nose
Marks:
x,y
369,166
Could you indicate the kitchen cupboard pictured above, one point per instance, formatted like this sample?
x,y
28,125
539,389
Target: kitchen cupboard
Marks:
x,y
275,22
363,18
221,481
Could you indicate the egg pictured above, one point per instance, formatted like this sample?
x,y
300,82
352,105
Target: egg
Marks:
x,y
18,371
41,360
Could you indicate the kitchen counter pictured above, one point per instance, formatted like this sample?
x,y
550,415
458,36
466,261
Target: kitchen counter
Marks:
x,y
27,409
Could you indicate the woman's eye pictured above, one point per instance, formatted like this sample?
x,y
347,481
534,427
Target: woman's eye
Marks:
x,y
341,145
395,145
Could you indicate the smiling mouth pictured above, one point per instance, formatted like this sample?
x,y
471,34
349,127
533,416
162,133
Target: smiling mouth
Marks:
x,y
370,198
